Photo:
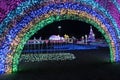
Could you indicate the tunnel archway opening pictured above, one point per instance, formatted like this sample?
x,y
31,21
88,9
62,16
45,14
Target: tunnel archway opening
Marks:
x,y
72,28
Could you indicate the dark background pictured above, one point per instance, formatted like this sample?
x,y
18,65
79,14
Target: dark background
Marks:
x,y
69,27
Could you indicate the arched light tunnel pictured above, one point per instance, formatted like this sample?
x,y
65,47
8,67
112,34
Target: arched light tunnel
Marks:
x,y
16,30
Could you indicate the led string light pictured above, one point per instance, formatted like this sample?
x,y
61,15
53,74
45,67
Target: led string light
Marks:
x,y
24,5
17,62
117,4
6,47
6,6
113,10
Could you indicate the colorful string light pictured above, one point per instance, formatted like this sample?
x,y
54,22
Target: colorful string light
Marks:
x,y
117,4
17,63
112,9
14,37
25,5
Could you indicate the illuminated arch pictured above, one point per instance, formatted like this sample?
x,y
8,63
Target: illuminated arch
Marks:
x,y
19,33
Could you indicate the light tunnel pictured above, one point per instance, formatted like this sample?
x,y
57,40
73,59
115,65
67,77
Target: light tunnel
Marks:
x,y
22,27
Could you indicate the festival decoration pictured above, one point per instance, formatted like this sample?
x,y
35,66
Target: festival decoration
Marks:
x,y
19,23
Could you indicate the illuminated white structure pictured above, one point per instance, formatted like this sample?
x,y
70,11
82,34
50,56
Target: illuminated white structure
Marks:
x,y
56,37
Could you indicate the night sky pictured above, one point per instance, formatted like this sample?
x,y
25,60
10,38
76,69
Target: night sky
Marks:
x,y
69,27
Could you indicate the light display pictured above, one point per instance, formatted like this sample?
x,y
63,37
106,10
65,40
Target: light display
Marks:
x,y
27,3
50,20
21,23
117,4
46,57
108,5
7,6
